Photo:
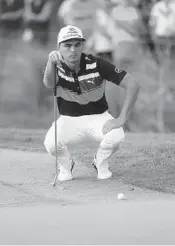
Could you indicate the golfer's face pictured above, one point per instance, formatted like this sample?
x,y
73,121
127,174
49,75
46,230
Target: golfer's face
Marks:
x,y
71,50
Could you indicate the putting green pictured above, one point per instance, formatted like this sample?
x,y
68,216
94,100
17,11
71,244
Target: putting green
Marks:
x,y
83,211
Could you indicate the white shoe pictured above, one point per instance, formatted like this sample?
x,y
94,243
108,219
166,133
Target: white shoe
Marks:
x,y
103,171
66,174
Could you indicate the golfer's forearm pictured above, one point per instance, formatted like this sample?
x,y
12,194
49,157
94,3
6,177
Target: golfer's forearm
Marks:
x,y
132,90
48,79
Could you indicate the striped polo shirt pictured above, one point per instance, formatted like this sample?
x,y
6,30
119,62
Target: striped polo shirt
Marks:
x,y
84,93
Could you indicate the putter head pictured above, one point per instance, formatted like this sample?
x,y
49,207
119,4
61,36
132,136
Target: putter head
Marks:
x,y
53,183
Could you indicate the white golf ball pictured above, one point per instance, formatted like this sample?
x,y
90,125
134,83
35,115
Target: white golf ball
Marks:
x,y
121,196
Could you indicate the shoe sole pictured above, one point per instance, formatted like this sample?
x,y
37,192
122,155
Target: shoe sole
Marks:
x,y
68,179
107,177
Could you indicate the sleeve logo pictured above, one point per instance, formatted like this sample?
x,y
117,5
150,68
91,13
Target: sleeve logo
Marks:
x,y
118,70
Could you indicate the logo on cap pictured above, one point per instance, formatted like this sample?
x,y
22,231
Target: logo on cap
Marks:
x,y
72,32
69,32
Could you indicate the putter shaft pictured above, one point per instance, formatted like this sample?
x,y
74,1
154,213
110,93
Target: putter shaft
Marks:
x,y
55,121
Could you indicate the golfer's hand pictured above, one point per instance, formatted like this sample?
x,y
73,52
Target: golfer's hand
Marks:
x,y
113,124
54,57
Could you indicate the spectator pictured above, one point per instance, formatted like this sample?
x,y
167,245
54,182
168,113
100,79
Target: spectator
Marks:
x,y
128,25
37,17
162,22
80,13
11,14
144,8
104,27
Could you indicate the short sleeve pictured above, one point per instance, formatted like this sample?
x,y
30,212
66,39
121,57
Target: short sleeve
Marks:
x,y
109,72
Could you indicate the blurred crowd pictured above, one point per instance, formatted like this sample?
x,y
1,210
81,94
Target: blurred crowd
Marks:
x,y
118,29
121,31
114,28
29,19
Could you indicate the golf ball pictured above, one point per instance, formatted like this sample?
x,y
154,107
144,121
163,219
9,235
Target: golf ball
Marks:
x,y
121,196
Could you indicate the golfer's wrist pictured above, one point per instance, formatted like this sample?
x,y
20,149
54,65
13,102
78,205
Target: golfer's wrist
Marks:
x,y
51,62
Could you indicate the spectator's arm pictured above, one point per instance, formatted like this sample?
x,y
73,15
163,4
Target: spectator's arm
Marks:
x,y
45,14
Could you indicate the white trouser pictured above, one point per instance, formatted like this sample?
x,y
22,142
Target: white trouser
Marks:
x,y
74,131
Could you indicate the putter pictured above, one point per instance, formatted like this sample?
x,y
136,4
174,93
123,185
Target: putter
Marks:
x,y
55,123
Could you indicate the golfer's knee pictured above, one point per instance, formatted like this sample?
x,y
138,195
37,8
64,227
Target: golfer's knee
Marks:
x,y
50,147
114,139
120,135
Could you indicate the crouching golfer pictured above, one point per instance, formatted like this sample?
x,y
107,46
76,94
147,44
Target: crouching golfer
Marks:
x,y
82,105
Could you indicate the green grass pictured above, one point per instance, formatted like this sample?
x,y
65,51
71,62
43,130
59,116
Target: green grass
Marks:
x,y
145,160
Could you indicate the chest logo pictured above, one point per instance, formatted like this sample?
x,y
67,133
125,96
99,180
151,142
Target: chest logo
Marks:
x,y
118,70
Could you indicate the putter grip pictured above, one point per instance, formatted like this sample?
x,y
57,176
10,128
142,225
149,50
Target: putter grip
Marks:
x,y
55,80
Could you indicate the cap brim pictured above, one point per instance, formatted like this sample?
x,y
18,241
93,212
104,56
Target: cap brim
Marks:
x,y
81,39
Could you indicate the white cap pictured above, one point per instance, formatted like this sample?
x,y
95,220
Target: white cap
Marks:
x,y
69,32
